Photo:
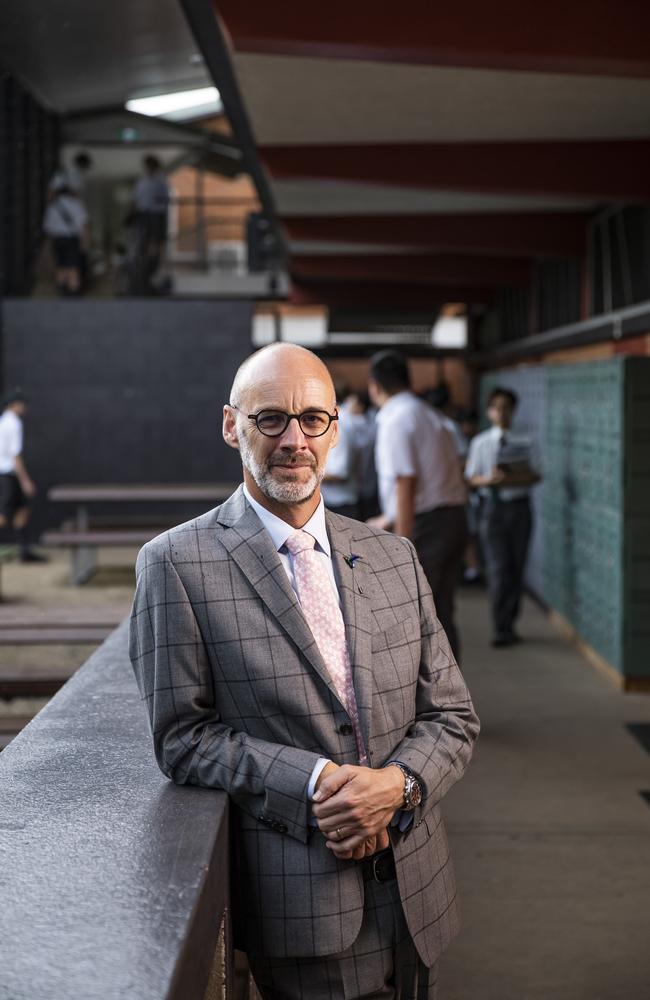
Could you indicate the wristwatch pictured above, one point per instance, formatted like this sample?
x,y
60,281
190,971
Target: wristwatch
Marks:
x,y
412,788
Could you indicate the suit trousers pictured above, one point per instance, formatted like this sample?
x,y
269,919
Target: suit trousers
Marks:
x,y
505,529
440,537
382,964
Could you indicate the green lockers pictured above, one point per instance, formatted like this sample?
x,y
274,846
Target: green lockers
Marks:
x,y
595,509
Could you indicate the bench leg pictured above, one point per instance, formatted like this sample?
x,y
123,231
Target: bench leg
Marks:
x,y
84,563
82,518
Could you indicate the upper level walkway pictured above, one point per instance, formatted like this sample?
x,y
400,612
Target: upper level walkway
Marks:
x,y
113,880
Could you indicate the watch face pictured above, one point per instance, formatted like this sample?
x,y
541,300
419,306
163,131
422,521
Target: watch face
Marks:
x,y
416,794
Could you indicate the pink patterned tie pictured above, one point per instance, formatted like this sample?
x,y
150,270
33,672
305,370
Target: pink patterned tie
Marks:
x,y
321,609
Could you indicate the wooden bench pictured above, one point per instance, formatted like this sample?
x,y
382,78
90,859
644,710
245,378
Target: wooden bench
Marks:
x,y
106,616
120,522
33,680
120,528
84,546
55,636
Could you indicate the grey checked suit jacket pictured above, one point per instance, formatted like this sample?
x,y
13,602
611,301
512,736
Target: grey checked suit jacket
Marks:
x,y
240,699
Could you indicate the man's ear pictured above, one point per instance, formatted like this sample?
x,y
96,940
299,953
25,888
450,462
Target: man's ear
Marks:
x,y
335,434
229,428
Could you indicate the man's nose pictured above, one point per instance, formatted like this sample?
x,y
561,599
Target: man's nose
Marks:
x,y
293,436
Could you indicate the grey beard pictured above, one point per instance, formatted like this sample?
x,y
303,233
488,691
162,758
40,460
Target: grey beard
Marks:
x,y
280,492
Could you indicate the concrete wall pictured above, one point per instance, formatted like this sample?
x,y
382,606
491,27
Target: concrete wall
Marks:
x,y
126,391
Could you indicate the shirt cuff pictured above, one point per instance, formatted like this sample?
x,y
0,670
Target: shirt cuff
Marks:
x,y
402,820
315,775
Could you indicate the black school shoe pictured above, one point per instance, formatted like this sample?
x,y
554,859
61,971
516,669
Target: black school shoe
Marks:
x,y
33,557
509,639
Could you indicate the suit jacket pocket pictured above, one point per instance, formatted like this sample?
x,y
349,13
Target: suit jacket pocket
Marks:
x,y
396,635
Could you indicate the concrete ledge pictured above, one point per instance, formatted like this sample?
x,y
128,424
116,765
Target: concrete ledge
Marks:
x,y
114,881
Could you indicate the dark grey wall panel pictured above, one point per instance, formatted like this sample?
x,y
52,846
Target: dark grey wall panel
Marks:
x,y
126,391
29,143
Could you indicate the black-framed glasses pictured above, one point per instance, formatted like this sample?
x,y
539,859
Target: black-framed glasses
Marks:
x,y
273,423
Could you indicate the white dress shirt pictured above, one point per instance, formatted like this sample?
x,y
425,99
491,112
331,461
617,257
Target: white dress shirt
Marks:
x,y
461,441
342,462
483,456
413,440
11,440
279,531
65,216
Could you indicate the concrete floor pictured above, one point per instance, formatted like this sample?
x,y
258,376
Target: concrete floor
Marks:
x,y
550,835
48,588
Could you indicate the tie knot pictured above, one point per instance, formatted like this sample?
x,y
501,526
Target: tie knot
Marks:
x,y
300,541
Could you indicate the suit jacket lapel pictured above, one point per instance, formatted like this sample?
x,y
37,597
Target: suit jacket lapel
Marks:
x,y
354,587
251,548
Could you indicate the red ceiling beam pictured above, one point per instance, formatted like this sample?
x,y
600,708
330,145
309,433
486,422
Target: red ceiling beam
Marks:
x,y
599,37
528,234
616,169
416,269
407,299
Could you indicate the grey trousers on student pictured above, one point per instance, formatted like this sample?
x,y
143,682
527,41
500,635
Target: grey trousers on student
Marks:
x,y
440,537
505,529
382,964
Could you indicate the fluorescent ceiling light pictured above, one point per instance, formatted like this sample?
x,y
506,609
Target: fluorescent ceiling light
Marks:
x,y
182,104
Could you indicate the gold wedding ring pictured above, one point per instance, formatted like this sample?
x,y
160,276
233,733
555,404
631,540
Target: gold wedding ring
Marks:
x,y
338,833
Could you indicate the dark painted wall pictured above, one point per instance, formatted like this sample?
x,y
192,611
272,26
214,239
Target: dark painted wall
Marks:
x,y
29,145
126,391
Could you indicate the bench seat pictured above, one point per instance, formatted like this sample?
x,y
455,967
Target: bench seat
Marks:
x,y
85,543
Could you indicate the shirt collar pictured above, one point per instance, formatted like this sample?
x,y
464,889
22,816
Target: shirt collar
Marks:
x,y
279,530
394,403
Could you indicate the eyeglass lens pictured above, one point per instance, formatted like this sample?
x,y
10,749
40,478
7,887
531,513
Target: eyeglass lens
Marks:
x,y
313,423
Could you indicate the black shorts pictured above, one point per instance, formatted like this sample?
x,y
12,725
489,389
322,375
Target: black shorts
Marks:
x,y
153,226
12,497
67,251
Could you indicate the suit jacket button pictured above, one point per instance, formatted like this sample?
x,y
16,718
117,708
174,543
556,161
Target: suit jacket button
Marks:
x,y
345,729
281,828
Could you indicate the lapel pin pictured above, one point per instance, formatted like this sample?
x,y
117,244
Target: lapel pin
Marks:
x,y
351,559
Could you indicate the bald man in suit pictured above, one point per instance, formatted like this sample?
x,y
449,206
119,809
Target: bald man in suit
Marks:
x,y
292,658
